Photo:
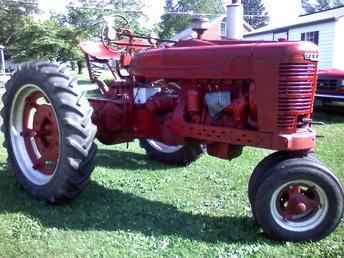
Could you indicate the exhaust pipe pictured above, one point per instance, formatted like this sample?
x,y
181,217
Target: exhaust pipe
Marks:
x,y
235,18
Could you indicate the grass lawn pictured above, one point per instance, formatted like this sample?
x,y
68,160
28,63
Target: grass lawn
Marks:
x,y
139,208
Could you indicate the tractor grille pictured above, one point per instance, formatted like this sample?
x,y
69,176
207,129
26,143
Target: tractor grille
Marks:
x,y
296,93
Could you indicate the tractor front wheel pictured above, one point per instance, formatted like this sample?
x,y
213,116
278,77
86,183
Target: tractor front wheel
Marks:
x,y
263,170
48,131
301,200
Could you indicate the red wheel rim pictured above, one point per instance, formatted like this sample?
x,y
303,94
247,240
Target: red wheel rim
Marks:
x,y
296,201
299,205
40,133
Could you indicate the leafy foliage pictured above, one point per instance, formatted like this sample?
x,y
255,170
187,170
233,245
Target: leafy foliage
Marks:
x,y
87,17
176,18
255,13
320,5
37,40
56,39
172,22
84,20
13,17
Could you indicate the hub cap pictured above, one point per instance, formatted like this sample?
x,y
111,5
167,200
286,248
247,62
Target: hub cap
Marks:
x,y
299,205
34,134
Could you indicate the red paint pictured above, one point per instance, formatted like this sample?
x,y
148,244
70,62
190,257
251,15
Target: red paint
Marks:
x,y
293,201
331,84
40,133
331,73
272,90
99,51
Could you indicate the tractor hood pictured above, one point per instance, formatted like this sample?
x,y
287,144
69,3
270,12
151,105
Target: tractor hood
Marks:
x,y
197,59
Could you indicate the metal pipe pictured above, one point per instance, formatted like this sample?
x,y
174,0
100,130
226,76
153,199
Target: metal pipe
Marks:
x,y
235,19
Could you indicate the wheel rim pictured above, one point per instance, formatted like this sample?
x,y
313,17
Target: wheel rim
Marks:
x,y
159,146
34,134
299,206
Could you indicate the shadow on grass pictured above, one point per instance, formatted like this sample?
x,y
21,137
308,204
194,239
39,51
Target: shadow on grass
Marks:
x,y
329,117
84,82
127,160
103,209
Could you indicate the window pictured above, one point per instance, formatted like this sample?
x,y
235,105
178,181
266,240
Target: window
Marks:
x,y
281,35
223,29
312,36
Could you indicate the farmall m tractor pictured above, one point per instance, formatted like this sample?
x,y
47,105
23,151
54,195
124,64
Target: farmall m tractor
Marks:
x,y
200,94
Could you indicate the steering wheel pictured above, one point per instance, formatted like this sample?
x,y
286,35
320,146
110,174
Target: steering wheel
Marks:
x,y
110,32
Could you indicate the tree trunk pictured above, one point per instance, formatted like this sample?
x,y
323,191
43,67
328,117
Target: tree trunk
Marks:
x,y
79,67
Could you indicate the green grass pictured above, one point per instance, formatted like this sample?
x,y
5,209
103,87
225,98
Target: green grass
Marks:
x,y
139,208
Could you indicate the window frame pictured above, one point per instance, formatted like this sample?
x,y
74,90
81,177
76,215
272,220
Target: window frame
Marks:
x,y
312,36
280,32
223,29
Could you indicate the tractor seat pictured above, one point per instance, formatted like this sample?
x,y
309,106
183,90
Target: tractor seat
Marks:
x,y
98,51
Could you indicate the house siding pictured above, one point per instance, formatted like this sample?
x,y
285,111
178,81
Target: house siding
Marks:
x,y
327,39
338,53
265,36
214,32
327,35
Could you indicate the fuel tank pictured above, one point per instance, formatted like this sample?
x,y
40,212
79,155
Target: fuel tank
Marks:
x,y
198,59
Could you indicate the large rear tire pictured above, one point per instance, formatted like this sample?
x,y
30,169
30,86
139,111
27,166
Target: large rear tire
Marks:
x,y
48,131
180,155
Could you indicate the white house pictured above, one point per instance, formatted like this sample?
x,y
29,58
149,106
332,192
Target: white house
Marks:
x,y
325,28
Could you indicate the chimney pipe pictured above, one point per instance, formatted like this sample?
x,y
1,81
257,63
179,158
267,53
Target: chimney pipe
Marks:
x,y
235,18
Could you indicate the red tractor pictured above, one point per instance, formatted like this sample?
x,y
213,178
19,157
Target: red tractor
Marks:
x,y
180,99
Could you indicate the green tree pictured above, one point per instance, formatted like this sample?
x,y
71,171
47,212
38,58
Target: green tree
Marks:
x,y
38,40
255,13
85,20
176,17
55,39
320,5
87,17
13,16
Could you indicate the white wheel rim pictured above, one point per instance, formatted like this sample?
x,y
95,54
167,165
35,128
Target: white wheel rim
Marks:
x,y
17,140
159,146
303,223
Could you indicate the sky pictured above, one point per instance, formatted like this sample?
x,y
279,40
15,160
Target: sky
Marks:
x,y
280,11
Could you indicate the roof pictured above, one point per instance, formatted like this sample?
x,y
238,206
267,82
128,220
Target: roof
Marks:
x,y
189,32
319,17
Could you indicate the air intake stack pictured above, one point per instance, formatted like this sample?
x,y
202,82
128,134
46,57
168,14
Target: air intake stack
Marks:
x,y
235,18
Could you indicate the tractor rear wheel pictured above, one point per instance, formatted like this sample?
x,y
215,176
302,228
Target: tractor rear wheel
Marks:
x,y
301,200
181,155
49,134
